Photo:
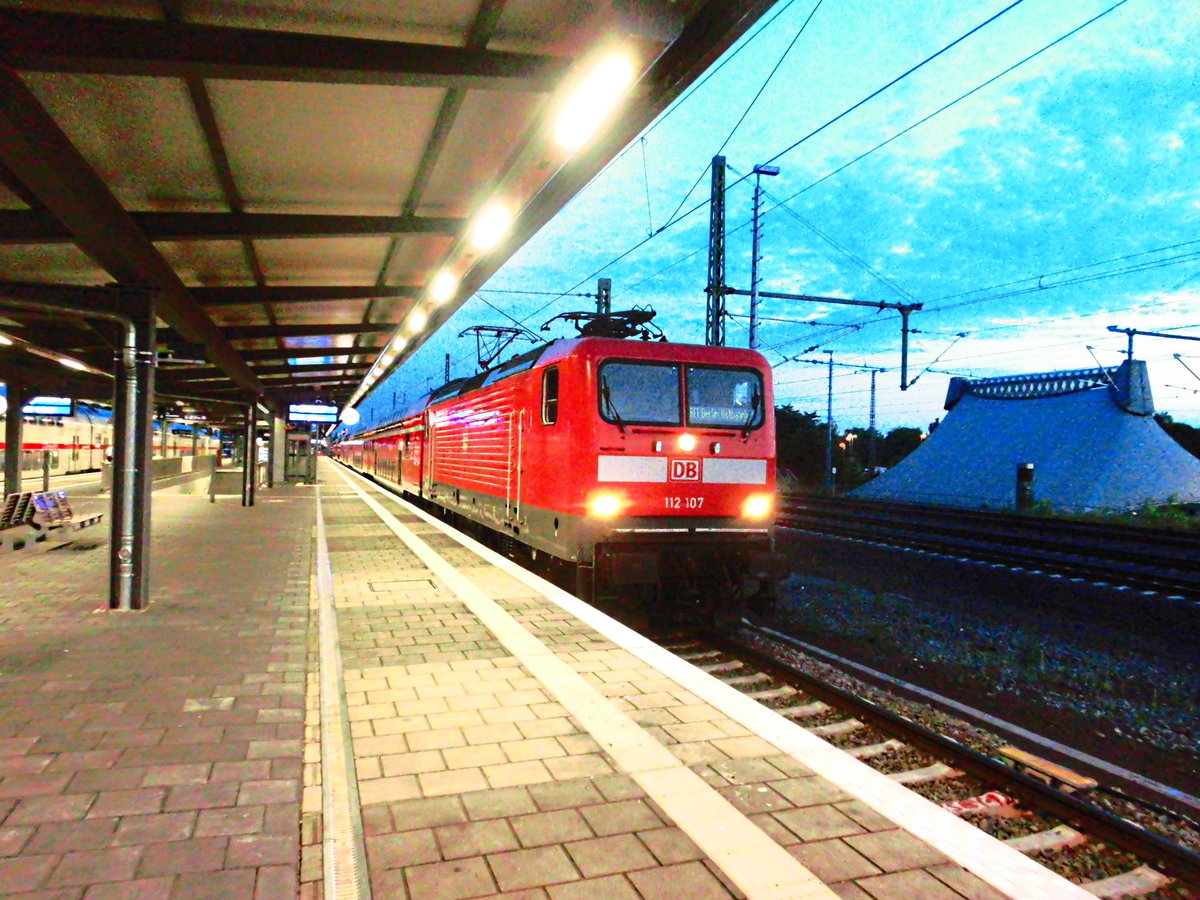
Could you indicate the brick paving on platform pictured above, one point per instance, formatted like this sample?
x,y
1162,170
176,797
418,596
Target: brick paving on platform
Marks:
x,y
157,753
505,740
476,780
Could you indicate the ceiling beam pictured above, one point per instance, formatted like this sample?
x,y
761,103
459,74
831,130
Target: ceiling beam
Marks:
x,y
482,28
11,182
37,152
279,381
50,293
714,26
64,337
307,381
261,332
41,376
206,118
309,352
31,226
208,373
238,296
65,42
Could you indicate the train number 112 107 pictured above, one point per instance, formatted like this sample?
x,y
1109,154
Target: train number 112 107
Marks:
x,y
684,502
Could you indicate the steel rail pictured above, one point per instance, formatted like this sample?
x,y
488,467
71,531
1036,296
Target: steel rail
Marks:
x,y
1170,858
1139,557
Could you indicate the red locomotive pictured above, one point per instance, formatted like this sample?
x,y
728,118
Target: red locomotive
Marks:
x,y
648,468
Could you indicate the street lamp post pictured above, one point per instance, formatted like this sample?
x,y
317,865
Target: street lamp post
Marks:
x,y
759,171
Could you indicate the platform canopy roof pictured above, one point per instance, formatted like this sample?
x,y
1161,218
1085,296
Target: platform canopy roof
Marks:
x,y
290,177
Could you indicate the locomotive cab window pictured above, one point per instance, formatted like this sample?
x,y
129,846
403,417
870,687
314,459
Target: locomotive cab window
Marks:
x,y
639,393
550,396
724,398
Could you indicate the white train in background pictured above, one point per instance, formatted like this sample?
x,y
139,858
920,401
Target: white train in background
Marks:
x,y
82,441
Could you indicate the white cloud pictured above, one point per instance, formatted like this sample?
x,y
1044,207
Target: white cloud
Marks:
x,y
926,178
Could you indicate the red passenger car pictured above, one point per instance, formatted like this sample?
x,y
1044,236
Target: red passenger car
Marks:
x,y
637,463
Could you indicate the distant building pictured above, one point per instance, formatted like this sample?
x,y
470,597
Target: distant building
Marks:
x,y
1089,434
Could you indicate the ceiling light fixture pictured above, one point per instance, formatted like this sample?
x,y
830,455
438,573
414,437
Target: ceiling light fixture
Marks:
x,y
592,101
417,320
491,225
443,287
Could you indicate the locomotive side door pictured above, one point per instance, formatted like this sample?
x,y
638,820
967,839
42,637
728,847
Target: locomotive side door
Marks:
x,y
516,452
412,459
428,452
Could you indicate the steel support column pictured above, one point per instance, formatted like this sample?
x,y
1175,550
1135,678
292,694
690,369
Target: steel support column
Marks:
x,y
871,429
755,239
279,446
714,330
250,454
12,437
133,450
271,418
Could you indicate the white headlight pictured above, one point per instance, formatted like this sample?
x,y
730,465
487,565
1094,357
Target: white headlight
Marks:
x,y
757,506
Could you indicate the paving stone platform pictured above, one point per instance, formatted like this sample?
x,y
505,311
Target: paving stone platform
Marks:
x,y
158,753
509,741
504,740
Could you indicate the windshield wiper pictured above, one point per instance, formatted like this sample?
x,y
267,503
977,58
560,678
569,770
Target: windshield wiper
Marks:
x,y
606,395
752,414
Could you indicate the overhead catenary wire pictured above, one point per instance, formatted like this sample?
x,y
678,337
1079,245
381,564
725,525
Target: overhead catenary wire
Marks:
x,y
753,102
849,254
783,204
646,182
954,102
883,279
712,73
695,88
862,263
1040,278
1132,264
679,217
1043,321
958,337
898,79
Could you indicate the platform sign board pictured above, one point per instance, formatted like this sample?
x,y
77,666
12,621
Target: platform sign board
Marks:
x,y
49,406
312,412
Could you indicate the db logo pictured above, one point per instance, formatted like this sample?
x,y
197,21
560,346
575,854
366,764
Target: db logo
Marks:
x,y
684,470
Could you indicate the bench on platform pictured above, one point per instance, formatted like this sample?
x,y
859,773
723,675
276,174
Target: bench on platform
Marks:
x,y
32,516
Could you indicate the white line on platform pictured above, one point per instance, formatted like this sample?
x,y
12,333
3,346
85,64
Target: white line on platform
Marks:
x,y
1005,869
751,859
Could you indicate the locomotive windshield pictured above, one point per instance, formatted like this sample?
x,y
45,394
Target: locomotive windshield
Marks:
x,y
639,393
724,398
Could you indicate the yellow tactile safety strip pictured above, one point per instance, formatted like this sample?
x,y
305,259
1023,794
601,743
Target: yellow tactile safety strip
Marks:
x,y
1004,868
748,857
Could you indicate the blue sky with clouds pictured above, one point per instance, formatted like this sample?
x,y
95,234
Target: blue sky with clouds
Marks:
x,y
1059,199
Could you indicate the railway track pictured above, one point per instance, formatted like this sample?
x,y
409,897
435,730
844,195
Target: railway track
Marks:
x,y
1133,557
1032,808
